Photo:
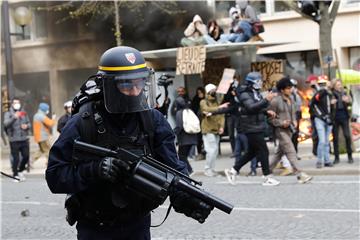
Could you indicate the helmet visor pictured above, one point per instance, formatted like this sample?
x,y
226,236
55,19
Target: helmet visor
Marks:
x,y
129,95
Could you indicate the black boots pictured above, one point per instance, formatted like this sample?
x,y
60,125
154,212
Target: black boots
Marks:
x,y
350,159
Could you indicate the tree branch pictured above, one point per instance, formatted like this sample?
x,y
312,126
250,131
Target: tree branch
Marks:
x,y
334,11
293,6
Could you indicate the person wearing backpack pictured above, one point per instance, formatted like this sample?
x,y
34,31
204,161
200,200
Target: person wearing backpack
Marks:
x,y
186,138
121,115
212,126
17,125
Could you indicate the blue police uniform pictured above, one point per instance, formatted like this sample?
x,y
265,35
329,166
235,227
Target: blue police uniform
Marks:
x,y
63,176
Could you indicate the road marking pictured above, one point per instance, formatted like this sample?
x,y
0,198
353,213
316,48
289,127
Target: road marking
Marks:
x,y
235,208
312,182
289,209
30,203
297,210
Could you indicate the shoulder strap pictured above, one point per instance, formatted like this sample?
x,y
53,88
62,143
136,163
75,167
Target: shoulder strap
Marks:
x,y
87,125
147,122
91,123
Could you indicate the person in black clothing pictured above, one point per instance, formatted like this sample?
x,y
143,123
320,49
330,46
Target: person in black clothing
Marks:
x,y
322,109
64,118
185,140
342,117
232,114
252,117
101,200
181,92
195,106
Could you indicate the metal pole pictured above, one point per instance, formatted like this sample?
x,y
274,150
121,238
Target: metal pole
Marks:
x,y
8,50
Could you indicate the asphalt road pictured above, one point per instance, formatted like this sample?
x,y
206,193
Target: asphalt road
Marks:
x,y
327,208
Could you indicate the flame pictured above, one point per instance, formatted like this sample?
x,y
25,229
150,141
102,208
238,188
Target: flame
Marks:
x,y
305,127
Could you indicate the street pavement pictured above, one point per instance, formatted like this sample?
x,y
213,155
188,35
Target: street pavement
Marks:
x,y
307,162
326,208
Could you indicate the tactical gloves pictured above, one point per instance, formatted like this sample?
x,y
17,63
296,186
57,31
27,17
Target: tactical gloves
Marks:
x,y
190,206
109,169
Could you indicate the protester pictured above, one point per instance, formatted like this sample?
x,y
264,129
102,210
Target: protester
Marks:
x,y
64,118
212,126
235,34
342,117
195,106
296,99
196,34
42,125
252,117
17,125
243,16
181,92
312,80
285,126
232,115
214,30
322,105
185,140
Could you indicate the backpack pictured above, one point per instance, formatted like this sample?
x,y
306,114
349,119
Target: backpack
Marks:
x,y
191,122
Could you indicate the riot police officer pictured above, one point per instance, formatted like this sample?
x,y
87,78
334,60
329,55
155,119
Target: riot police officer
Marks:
x,y
100,203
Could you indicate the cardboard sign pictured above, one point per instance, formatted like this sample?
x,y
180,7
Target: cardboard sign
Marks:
x,y
190,60
271,72
226,80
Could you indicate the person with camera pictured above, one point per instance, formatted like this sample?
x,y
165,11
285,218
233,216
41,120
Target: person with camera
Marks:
x,y
322,107
164,81
17,125
121,115
285,125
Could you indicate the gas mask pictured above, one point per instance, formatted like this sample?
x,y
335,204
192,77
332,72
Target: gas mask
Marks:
x,y
257,84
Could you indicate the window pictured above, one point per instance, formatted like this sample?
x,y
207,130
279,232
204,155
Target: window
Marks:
x,y
281,7
223,7
40,24
260,6
37,29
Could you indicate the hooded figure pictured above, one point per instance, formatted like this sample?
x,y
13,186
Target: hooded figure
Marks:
x,y
196,33
42,125
196,28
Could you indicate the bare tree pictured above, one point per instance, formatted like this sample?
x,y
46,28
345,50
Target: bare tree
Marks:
x,y
111,10
327,18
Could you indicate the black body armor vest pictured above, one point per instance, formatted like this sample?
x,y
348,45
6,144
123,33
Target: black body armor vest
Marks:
x,y
114,202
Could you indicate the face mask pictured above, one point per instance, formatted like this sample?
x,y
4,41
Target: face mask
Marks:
x,y
17,106
257,85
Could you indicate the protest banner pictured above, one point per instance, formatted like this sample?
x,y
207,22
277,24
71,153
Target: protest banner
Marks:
x,y
226,80
190,60
271,72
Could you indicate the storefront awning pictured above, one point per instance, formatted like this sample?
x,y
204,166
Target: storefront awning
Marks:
x,y
349,76
290,47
